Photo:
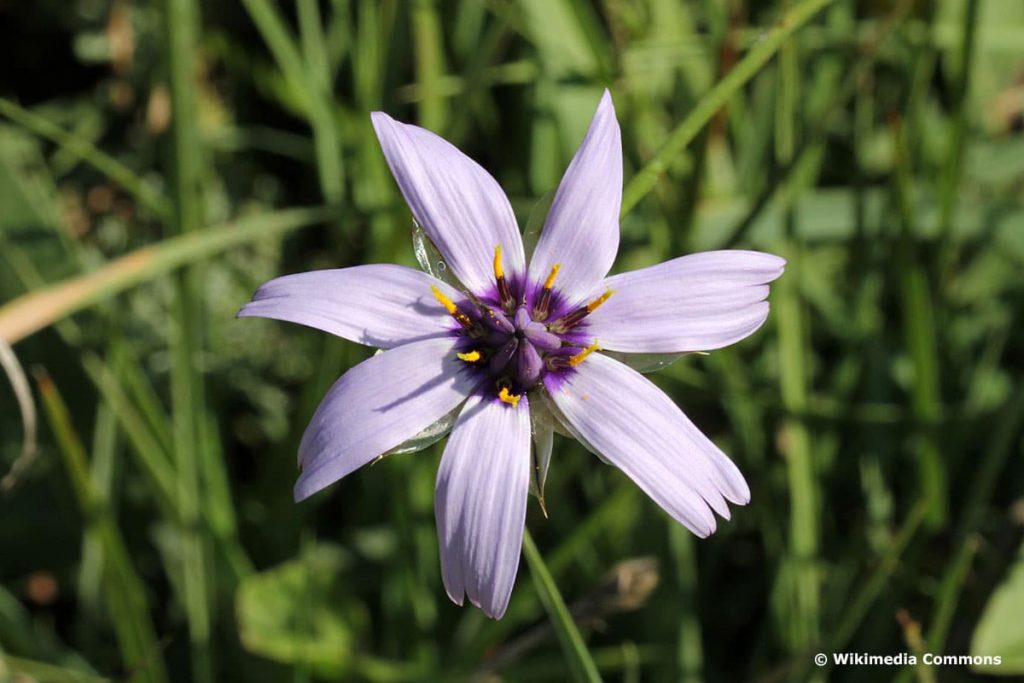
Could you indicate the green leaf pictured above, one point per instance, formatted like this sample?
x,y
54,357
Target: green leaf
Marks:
x,y
1000,631
295,612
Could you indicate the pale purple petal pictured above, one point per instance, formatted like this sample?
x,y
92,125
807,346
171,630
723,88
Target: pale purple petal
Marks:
x,y
480,503
459,205
376,406
621,415
582,228
698,302
380,305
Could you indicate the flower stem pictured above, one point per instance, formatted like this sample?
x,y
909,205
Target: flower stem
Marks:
x,y
580,661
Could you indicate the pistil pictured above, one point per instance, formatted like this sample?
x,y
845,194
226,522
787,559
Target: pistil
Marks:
x,y
503,356
529,364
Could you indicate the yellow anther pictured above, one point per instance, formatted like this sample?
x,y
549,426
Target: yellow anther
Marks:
x,y
450,306
470,356
593,305
550,282
582,355
504,290
543,305
499,272
506,396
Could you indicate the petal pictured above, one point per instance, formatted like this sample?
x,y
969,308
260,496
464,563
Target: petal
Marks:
x,y
459,205
480,502
620,414
379,305
582,229
376,406
694,303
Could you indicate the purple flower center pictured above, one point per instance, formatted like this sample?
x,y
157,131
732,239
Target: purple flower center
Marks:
x,y
518,334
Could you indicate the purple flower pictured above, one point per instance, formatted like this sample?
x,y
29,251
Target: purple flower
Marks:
x,y
516,349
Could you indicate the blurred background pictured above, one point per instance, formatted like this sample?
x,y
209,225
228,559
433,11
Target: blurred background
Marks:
x,y
160,160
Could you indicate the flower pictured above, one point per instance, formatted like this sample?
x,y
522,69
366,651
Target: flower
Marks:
x,y
517,348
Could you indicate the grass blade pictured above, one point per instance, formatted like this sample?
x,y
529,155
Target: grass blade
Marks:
x,y
19,383
42,672
153,460
801,616
430,69
643,182
43,307
920,334
690,654
125,592
864,598
188,393
314,89
101,161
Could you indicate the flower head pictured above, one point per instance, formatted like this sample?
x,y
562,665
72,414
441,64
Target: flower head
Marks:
x,y
518,347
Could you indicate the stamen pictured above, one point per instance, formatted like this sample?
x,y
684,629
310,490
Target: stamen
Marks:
x,y
504,291
506,396
550,282
567,322
596,303
499,272
541,309
470,356
582,355
450,306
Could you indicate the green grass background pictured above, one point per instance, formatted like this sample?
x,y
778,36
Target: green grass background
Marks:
x,y
152,536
